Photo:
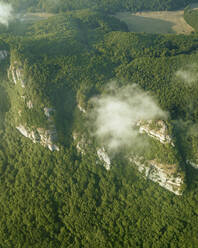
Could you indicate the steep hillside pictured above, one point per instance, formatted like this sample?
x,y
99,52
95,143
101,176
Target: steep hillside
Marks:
x,y
98,135
110,6
67,60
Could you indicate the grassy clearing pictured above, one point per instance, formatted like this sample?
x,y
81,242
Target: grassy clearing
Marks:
x,y
162,22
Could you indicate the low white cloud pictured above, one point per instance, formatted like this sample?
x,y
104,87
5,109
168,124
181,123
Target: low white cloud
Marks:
x,y
189,74
116,113
5,13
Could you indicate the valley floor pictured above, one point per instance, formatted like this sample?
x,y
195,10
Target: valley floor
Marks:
x,y
156,22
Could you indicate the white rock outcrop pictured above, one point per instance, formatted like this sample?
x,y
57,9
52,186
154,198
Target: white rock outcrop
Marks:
x,y
156,129
15,73
3,54
81,144
40,135
104,157
45,137
165,175
81,109
48,112
30,104
193,164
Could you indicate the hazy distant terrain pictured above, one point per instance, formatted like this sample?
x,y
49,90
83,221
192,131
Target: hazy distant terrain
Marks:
x,y
156,22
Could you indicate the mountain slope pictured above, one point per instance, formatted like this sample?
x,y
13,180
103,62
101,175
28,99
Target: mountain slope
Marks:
x,y
84,194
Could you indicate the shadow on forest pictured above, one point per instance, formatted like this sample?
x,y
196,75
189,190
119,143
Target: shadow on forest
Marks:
x,y
180,132
4,105
64,117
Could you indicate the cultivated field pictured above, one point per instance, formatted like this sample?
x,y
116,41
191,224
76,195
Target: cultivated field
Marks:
x,y
156,22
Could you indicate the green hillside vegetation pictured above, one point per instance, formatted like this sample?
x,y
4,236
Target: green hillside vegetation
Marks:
x,y
191,17
109,6
64,199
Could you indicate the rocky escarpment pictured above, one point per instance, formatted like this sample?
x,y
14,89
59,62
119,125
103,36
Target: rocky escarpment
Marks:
x,y
156,129
104,158
15,73
166,175
81,142
83,145
38,134
46,137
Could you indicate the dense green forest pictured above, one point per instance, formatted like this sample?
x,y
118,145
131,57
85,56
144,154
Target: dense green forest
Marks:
x,y
65,199
109,6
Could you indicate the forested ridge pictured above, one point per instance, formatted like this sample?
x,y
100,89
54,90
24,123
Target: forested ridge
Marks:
x,y
65,199
109,6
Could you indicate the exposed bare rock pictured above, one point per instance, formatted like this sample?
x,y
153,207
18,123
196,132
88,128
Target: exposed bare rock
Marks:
x,y
81,144
193,164
81,109
166,175
48,111
40,135
47,138
15,73
156,129
26,133
3,54
103,156
30,104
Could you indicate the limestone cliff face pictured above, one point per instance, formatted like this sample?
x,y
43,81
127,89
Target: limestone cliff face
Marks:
x,y
15,73
83,144
166,175
156,129
104,158
38,134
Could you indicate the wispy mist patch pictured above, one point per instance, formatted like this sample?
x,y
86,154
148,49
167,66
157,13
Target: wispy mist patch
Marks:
x,y
189,74
193,130
117,112
6,13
